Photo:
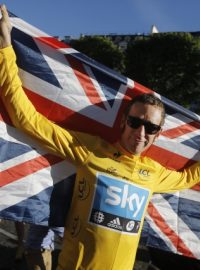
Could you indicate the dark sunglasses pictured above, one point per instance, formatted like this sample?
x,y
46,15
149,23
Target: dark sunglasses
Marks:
x,y
136,122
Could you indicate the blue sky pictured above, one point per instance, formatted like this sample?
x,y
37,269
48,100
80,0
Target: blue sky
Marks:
x,y
75,17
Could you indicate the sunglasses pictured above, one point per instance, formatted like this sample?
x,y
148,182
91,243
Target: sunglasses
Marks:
x,y
136,122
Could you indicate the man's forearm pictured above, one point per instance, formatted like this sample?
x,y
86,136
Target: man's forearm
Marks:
x,y
13,96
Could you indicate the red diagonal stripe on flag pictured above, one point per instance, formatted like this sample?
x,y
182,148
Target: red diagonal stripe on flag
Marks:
x,y
52,42
181,130
167,158
85,81
26,168
171,234
196,188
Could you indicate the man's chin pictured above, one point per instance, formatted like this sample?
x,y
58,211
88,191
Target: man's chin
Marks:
x,y
139,148
135,150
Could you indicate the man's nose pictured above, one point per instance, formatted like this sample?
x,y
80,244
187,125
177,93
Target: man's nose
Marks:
x,y
141,130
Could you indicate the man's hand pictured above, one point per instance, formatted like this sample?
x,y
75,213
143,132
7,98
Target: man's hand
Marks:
x,y
5,28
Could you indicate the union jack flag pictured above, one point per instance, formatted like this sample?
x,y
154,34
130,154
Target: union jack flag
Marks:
x,y
78,93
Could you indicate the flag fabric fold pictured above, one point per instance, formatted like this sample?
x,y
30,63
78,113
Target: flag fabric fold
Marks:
x,y
78,93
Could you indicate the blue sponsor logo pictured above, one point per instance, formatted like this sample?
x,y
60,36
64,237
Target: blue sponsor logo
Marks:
x,y
119,198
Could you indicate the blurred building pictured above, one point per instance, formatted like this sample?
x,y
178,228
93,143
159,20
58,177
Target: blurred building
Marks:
x,y
123,39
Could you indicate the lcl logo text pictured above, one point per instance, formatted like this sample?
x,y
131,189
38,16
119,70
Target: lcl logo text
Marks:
x,y
144,172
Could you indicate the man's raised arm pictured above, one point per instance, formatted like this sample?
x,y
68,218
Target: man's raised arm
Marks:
x,y
5,28
22,112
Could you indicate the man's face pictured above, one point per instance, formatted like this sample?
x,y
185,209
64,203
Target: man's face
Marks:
x,y
136,135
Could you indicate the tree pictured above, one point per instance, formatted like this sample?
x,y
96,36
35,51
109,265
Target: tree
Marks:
x,y
102,50
168,63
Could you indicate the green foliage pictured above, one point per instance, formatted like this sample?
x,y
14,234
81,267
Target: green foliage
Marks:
x,y
102,50
168,63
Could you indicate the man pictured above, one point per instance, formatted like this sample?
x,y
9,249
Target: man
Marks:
x,y
39,246
114,183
